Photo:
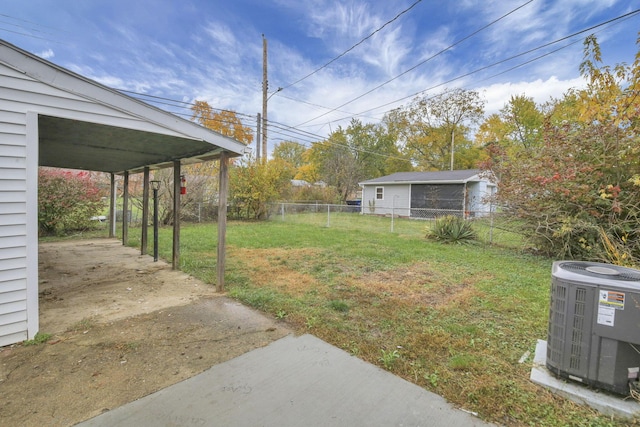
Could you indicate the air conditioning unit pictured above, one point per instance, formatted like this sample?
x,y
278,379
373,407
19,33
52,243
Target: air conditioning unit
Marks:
x,y
594,324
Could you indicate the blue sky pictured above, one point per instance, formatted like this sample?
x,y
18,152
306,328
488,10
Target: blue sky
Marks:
x,y
212,50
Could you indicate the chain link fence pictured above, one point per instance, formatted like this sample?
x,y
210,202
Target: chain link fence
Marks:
x,y
491,227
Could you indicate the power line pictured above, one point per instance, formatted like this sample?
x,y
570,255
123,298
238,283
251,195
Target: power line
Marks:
x,y
294,132
353,47
421,63
610,21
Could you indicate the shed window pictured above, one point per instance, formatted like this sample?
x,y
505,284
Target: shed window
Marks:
x,y
379,193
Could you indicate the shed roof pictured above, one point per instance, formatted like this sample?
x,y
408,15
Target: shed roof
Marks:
x,y
135,136
439,177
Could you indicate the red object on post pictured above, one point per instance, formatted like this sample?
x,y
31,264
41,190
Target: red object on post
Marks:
x,y
183,185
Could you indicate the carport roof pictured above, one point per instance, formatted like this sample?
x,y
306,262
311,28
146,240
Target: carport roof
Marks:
x,y
135,136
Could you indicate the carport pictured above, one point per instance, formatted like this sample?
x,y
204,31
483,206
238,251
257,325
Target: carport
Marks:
x,y
50,116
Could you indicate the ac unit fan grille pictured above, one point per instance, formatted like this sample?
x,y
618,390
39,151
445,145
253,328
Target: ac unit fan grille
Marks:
x,y
577,339
623,274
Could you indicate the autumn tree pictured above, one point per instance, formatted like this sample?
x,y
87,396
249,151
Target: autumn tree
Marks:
x,y
254,184
225,122
577,190
434,131
348,156
202,178
290,152
67,200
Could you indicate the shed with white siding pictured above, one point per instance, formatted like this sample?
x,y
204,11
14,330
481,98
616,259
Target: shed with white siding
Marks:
x,y
50,116
465,193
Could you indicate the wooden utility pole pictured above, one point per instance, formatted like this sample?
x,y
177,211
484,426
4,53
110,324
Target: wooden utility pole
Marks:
x,y
258,133
452,149
265,89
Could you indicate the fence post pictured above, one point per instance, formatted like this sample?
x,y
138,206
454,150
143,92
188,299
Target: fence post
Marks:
x,y
328,215
490,225
393,208
282,210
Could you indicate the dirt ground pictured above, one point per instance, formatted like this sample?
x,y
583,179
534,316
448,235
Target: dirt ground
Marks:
x,y
121,327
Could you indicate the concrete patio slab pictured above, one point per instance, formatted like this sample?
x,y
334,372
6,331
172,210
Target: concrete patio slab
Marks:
x,y
295,381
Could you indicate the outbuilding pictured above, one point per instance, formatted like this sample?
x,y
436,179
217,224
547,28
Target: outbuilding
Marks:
x,y
50,116
464,193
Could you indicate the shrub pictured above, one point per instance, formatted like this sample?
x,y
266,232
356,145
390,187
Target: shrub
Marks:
x,y
66,201
452,229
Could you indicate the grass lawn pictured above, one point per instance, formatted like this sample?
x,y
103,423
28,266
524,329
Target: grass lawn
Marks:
x,y
454,319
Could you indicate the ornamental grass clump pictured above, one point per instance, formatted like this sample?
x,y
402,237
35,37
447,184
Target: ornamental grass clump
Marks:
x,y
452,229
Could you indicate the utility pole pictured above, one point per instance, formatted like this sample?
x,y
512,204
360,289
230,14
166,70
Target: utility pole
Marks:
x,y
452,139
265,89
258,133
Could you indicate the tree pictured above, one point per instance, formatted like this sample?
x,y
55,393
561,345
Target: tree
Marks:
x,y
67,200
336,164
577,191
254,184
517,127
523,122
292,153
433,129
225,122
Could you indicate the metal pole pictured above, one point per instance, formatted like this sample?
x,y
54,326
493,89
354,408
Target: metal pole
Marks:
x,y
155,224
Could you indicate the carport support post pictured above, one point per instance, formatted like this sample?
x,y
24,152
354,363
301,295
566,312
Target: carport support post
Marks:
x,y
112,207
145,212
223,183
125,209
175,264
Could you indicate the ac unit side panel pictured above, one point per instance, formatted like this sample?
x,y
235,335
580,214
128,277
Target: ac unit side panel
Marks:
x,y
617,315
569,336
557,324
615,358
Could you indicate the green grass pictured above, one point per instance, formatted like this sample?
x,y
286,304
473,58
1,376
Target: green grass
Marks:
x,y
452,319
39,338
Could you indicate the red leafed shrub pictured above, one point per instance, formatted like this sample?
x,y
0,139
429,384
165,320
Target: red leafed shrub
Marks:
x,y
66,200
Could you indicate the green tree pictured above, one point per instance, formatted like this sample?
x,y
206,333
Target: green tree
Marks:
x,y
67,200
523,121
292,153
434,130
337,164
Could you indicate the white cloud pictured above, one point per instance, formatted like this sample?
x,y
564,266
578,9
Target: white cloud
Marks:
x,y
47,54
497,95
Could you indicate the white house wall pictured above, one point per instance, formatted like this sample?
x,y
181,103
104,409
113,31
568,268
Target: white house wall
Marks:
x,y
13,224
396,199
22,99
478,194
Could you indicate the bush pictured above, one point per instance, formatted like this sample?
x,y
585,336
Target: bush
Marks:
x,y
452,229
66,201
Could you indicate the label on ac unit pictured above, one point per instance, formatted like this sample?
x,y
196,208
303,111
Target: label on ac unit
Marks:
x,y
608,303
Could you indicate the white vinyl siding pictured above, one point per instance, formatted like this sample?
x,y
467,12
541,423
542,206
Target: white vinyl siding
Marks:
x,y
396,199
13,224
